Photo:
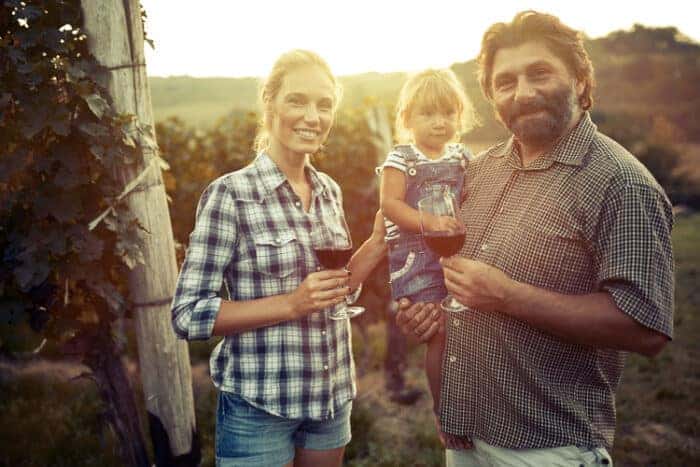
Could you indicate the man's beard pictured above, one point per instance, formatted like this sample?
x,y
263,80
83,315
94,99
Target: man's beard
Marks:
x,y
542,129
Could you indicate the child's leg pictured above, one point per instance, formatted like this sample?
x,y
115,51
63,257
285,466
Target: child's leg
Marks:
x,y
433,365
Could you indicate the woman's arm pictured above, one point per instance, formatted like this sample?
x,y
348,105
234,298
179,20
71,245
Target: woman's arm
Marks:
x,y
319,290
369,254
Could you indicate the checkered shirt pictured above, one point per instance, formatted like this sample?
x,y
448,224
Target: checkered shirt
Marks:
x,y
584,218
252,234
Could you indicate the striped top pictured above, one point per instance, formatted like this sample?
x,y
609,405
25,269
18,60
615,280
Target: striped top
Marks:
x,y
395,159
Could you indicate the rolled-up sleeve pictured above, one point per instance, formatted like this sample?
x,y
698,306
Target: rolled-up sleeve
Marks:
x,y
211,249
635,257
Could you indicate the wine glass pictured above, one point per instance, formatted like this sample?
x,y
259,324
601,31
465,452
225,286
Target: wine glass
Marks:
x,y
443,240
333,248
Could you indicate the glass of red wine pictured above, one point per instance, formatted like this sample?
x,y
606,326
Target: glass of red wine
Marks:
x,y
332,245
442,236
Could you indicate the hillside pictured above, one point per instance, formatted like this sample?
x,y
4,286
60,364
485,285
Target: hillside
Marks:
x,y
649,74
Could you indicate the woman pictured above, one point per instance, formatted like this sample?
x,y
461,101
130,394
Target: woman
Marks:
x,y
284,370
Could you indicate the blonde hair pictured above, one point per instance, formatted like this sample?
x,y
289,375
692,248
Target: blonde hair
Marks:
x,y
439,89
285,64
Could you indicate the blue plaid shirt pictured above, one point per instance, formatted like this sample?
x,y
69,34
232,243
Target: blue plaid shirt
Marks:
x,y
252,234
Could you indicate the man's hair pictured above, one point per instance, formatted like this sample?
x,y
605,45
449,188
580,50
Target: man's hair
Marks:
x,y
564,42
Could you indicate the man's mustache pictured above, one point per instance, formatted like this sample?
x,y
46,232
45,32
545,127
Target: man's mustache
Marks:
x,y
518,109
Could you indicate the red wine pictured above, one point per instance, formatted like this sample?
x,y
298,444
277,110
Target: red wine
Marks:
x,y
444,243
334,259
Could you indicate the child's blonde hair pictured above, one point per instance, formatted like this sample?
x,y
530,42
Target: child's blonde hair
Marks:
x,y
437,89
285,64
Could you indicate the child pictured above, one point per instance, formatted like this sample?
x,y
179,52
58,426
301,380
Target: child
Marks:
x,y
431,113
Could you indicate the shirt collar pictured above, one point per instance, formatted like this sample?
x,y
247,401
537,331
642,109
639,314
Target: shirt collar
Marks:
x,y
569,150
272,177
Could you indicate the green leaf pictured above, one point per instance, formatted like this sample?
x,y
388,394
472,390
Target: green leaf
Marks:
x,y
12,312
93,129
30,274
97,104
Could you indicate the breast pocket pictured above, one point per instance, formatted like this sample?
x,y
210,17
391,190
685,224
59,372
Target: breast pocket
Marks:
x,y
275,254
552,258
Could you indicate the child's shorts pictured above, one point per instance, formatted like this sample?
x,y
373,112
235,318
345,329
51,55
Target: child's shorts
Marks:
x,y
415,272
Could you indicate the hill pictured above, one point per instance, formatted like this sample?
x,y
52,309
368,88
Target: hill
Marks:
x,y
647,76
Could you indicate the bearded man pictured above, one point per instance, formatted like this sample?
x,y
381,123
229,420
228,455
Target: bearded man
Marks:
x,y
567,265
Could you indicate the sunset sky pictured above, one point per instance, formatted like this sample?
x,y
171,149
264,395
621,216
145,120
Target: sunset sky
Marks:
x,y
243,38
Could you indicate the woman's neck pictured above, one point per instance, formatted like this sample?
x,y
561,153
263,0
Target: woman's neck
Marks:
x,y
290,164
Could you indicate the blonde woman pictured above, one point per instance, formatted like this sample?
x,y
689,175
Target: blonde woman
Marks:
x,y
284,370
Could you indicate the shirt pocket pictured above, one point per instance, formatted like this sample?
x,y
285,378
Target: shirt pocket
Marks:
x,y
275,254
551,257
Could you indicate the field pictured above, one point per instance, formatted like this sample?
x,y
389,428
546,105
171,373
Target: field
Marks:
x,y
53,417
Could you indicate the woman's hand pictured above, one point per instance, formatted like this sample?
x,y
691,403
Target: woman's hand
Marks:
x,y
319,290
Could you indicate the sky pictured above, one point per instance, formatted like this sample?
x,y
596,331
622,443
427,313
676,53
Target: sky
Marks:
x,y
244,37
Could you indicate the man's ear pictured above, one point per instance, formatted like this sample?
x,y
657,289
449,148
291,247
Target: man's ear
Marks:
x,y
580,87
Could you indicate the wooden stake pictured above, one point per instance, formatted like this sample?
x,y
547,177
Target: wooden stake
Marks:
x,y
115,35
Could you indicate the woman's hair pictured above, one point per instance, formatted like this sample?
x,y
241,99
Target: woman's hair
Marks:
x,y
564,42
434,89
286,63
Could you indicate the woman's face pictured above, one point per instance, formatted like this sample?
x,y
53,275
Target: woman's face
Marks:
x,y
301,114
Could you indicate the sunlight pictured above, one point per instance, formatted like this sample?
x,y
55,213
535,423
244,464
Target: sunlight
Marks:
x,y
244,38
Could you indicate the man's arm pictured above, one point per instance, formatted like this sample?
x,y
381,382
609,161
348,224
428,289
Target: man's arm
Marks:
x,y
592,319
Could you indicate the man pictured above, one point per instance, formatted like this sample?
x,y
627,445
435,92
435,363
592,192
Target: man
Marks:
x,y
566,267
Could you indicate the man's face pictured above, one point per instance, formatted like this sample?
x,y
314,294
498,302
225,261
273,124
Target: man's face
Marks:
x,y
534,93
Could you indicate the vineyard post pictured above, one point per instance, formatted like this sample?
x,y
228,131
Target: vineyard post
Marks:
x,y
116,37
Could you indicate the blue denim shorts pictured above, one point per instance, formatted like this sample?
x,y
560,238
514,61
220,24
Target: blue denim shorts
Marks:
x,y
249,436
415,272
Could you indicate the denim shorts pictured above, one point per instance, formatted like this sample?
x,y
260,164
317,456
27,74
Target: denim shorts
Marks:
x,y
415,272
249,436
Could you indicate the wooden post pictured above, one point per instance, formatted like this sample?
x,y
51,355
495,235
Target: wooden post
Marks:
x,y
115,35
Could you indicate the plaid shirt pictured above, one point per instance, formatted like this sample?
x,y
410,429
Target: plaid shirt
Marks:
x,y
253,234
584,218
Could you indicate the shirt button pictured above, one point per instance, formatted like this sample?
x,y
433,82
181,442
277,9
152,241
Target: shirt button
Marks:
x,y
484,247
297,203
323,333
453,359
325,367
278,240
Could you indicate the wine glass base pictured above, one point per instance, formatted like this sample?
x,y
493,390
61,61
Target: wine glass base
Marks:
x,y
451,305
348,313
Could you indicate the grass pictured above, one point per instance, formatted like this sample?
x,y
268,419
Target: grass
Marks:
x,y
50,420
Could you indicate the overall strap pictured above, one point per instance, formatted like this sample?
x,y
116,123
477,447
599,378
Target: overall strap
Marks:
x,y
410,156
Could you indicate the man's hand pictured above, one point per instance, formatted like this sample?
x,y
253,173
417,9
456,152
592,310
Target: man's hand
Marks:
x,y
449,441
476,284
420,320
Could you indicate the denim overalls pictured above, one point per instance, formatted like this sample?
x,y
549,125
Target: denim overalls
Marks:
x,y
414,269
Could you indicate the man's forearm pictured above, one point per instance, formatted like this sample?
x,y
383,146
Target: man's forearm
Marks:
x,y
592,319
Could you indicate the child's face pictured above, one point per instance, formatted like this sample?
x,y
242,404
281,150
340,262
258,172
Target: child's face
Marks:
x,y
432,127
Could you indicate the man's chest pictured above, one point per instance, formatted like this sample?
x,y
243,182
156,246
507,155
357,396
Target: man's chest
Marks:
x,y
528,223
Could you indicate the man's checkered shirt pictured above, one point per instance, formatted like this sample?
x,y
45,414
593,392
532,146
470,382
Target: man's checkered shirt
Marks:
x,y
586,217
252,233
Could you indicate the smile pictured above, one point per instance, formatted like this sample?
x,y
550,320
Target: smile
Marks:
x,y
307,134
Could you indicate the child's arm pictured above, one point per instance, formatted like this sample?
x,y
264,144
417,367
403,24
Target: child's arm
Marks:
x,y
394,208
391,197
